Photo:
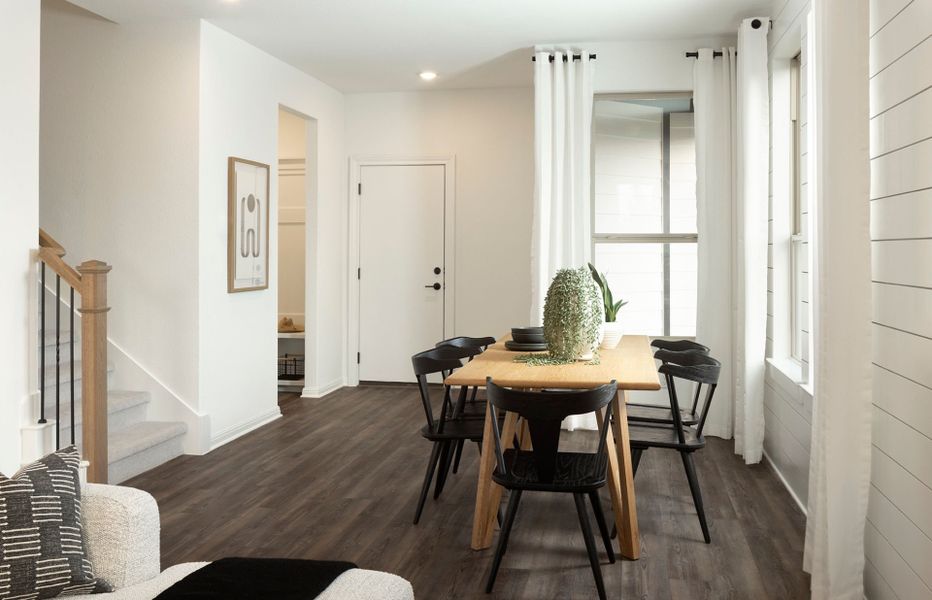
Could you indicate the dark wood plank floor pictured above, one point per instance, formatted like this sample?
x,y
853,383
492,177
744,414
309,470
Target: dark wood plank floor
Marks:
x,y
337,478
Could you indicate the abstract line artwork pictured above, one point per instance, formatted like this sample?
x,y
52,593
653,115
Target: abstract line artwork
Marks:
x,y
248,226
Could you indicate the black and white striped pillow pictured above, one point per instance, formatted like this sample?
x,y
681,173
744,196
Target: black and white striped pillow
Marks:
x,y
42,552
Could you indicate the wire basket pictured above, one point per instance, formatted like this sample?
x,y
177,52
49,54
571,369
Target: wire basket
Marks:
x,y
291,367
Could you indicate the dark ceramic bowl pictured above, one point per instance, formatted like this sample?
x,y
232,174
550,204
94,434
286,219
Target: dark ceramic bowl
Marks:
x,y
528,335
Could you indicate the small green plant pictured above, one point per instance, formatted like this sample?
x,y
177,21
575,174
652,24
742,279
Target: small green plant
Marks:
x,y
611,307
572,314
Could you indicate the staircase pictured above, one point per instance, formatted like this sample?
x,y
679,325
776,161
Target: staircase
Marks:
x,y
133,444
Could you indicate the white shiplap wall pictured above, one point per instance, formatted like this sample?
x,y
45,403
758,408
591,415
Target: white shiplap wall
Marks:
x,y
787,404
898,539
898,536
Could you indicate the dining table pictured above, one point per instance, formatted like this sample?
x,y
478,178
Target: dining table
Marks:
x,y
631,365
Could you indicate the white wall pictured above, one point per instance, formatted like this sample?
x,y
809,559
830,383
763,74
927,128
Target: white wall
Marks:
x,y
19,170
491,134
649,66
241,89
787,402
119,183
898,539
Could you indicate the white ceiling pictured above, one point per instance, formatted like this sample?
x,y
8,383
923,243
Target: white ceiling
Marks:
x,y
382,45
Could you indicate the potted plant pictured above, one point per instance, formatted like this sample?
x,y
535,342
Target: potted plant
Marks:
x,y
572,315
612,328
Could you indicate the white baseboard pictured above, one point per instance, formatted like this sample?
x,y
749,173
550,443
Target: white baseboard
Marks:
x,y
322,390
228,435
786,484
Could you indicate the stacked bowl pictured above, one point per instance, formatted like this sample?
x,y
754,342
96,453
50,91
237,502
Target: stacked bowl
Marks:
x,y
526,339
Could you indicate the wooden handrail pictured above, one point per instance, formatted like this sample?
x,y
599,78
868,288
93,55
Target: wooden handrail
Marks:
x,y
47,241
89,281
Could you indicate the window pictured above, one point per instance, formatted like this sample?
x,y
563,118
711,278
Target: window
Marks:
x,y
799,274
644,209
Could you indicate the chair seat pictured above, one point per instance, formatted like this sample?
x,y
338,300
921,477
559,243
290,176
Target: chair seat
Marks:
x,y
655,435
658,414
573,472
459,429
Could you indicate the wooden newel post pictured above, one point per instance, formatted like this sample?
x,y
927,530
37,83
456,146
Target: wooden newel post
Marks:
x,y
94,357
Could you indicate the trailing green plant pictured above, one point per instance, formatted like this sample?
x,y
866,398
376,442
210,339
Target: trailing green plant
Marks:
x,y
608,301
540,359
572,314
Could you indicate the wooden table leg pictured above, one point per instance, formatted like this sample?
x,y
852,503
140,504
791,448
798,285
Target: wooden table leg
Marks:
x,y
621,478
488,493
524,435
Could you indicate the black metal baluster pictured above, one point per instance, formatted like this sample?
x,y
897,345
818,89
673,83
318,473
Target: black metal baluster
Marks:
x,y
57,362
42,346
71,341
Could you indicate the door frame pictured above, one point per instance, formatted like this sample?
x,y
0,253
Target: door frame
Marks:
x,y
352,264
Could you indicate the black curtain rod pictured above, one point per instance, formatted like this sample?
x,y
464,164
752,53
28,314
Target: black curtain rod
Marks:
x,y
575,57
715,54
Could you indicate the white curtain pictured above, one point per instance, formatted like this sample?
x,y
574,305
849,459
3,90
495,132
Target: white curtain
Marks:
x,y
751,214
839,468
562,140
561,227
732,162
715,100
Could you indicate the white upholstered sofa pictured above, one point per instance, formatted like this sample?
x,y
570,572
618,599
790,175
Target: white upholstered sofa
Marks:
x,y
121,528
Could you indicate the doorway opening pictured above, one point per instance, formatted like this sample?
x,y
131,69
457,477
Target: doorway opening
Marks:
x,y
296,158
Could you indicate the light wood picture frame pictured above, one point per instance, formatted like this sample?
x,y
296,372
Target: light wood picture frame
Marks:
x,y
247,225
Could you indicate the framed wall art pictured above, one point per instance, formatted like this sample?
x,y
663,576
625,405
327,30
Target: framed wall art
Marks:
x,y
248,226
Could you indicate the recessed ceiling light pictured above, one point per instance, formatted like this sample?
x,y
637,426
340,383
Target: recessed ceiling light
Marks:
x,y
428,75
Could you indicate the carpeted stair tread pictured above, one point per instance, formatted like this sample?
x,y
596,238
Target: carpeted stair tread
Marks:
x,y
142,436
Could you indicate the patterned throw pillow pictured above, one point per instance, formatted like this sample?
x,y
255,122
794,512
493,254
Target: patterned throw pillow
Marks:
x,y
42,552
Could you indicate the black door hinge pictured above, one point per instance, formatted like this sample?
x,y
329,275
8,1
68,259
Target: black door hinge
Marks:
x,y
359,189
357,358
358,273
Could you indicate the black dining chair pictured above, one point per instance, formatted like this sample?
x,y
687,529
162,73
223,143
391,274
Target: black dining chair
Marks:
x,y
472,407
703,370
653,413
447,430
679,345
546,468
443,430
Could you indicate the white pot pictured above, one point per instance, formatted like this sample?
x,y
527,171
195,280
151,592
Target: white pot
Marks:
x,y
611,335
589,354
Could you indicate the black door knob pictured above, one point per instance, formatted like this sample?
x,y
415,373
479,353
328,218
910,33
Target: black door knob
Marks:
x,y
436,286
436,270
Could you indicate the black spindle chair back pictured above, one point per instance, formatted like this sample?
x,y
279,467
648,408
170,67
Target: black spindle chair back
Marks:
x,y
480,343
544,412
442,361
701,369
679,345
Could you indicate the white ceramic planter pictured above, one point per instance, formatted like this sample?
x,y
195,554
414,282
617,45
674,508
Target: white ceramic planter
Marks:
x,y
611,335
590,353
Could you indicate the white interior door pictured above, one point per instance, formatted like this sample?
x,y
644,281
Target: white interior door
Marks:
x,y
401,267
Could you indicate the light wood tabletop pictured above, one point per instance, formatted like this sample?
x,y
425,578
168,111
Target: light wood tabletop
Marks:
x,y
631,365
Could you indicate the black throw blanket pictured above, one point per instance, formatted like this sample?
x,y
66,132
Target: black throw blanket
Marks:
x,y
251,578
